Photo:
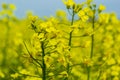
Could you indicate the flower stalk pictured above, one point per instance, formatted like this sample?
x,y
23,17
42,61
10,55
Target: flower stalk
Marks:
x,y
43,62
70,42
92,46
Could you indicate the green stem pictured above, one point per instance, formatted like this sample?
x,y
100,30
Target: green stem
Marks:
x,y
70,35
88,69
70,41
92,46
6,42
100,73
73,18
92,37
43,62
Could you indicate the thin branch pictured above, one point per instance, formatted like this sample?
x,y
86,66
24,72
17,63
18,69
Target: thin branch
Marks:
x,y
76,46
31,55
24,74
69,12
75,65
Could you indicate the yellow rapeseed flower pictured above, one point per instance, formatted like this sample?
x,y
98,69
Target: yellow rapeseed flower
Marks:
x,y
77,7
69,3
64,73
88,2
83,16
81,13
2,75
15,75
33,18
4,6
12,6
102,7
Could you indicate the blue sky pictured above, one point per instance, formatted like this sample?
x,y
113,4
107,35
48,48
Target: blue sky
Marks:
x,y
48,7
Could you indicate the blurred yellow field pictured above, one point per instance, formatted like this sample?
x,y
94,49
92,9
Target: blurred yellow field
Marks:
x,y
84,47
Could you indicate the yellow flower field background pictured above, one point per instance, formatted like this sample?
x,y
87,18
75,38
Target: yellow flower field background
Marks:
x,y
84,46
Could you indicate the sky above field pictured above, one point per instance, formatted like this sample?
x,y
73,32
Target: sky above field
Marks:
x,y
49,7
